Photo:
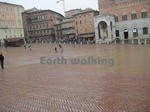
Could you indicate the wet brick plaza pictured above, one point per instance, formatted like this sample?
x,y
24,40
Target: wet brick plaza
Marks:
x,y
28,86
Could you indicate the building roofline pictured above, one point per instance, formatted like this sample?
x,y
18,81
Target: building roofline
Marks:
x,y
72,10
43,11
28,10
85,11
11,4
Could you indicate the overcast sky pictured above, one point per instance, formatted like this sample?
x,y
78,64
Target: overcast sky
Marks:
x,y
51,4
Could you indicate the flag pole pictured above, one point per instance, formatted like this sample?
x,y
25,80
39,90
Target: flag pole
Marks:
x,y
64,6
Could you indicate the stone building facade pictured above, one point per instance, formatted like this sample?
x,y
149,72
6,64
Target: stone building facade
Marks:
x,y
84,24
127,21
104,28
67,26
11,25
72,12
58,31
39,24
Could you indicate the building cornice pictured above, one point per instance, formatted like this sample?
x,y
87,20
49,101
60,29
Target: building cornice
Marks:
x,y
11,4
39,11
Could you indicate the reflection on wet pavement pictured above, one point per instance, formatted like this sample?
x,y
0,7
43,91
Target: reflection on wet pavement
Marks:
x,y
28,86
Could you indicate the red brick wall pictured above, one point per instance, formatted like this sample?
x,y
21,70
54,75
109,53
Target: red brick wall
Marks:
x,y
118,7
87,23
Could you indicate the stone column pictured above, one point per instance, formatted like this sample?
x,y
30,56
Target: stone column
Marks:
x,y
139,43
109,32
145,41
96,32
122,41
132,41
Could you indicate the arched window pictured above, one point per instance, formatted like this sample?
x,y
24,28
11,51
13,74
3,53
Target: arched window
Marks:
x,y
144,13
145,31
133,15
124,18
116,18
135,32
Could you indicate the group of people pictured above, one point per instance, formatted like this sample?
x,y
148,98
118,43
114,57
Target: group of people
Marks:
x,y
60,47
30,47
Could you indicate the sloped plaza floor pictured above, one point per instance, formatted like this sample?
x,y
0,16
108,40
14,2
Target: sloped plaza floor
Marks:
x,y
26,85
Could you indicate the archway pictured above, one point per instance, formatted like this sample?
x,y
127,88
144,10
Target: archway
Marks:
x,y
103,30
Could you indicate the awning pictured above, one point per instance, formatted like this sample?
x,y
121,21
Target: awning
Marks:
x,y
14,40
86,36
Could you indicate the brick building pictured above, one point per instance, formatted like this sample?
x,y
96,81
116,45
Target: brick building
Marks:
x,y
72,12
65,29
125,9
11,25
125,20
39,24
84,24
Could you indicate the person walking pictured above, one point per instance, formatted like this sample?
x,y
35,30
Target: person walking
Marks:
x,y
2,60
55,49
5,44
30,47
61,48
25,47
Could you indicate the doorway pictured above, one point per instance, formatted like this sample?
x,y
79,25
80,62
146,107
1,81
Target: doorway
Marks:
x,y
126,34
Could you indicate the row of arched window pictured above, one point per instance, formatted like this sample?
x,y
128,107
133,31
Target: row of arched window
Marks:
x,y
133,15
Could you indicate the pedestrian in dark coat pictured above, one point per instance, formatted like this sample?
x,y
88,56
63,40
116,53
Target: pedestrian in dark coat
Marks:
x,y
2,61
61,48
25,47
55,49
